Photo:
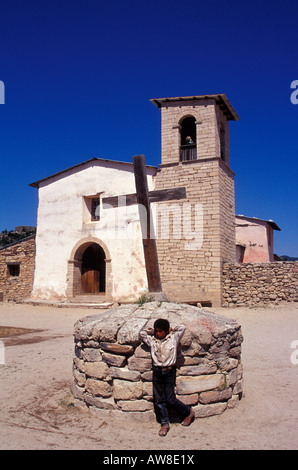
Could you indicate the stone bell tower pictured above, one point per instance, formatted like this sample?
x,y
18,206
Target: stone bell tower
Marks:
x,y
195,236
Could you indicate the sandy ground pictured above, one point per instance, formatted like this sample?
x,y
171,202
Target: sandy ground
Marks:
x,y
37,409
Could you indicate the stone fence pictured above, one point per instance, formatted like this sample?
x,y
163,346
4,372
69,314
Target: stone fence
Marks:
x,y
260,283
113,368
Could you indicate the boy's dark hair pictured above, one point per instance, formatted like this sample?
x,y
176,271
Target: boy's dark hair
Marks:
x,y
162,324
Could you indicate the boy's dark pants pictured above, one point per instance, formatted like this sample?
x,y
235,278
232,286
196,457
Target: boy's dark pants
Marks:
x,y
164,380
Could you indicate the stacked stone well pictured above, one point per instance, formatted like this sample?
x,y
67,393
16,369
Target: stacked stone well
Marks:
x,y
112,368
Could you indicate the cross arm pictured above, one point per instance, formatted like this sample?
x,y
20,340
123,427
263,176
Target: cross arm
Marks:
x,y
154,196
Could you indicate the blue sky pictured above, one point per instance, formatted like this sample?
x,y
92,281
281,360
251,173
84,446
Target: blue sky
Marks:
x,y
79,75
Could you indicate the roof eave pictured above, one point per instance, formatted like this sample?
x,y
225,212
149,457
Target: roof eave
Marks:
x,y
36,184
220,99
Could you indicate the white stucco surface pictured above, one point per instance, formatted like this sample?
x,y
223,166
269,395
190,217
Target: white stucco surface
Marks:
x,y
63,222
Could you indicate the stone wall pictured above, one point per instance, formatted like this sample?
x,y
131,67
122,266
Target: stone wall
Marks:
x,y
259,283
201,231
113,368
16,283
202,226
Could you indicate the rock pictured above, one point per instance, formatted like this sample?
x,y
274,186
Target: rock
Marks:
x,y
189,400
203,411
113,359
148,389
214,396
135,405
116,348
80,379
139,364
124,390
129,333
186,385
98,388
91,355
126,374
202,369
98,370
102,403
143,351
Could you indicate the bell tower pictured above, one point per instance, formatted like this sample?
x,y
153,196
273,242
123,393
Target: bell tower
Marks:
x,y
200,234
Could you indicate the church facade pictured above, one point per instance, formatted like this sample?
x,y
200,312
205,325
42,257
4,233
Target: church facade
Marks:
x,y
85,248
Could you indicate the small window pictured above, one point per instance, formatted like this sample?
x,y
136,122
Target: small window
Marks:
x,y
14,269
91,208
95,209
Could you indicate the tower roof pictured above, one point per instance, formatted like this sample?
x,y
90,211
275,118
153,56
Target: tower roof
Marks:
x,y
221,100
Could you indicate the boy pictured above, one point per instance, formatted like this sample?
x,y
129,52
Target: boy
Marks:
x,y
163,346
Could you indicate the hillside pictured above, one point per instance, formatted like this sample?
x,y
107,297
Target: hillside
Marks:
x,y
20,232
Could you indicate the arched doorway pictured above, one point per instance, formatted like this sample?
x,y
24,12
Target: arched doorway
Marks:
x,y
89,254
93,270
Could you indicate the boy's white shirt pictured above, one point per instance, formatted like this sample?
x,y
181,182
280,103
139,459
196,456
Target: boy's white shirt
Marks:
x,y
164,351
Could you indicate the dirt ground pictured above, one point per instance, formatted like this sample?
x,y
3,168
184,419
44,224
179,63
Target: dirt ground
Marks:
x,y
36,406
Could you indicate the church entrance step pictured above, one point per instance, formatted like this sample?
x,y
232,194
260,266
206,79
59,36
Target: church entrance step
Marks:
x,y
88,299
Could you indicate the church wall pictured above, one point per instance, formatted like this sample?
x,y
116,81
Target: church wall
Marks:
x,y
62,226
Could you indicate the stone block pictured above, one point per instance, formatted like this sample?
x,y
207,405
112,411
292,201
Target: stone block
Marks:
x,y
125,390
189,400
139,364
99,388
116,348
186,385
214,396
102,403
202,369
114,359
78,392
79,377
126,374
148,389
91,355
129,333
204,411
98,370
135,405
143,351
147,376
238,387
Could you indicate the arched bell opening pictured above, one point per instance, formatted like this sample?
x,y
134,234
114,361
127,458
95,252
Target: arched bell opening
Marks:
x,y
188,133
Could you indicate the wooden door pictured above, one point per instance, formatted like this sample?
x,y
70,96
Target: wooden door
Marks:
x,y
93,270
90,281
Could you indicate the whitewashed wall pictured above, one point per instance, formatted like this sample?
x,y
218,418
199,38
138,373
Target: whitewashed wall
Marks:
x,y
61,225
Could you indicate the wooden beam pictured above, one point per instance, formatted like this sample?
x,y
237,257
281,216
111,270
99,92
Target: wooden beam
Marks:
x,y
154,196
149,244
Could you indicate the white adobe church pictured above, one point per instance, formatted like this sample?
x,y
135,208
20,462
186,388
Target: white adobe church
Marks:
x,y
84,248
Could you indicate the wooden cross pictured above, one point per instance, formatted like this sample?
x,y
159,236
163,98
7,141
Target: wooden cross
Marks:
x,y
144,198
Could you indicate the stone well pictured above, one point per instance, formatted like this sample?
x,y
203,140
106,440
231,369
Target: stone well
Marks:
x,y
112,367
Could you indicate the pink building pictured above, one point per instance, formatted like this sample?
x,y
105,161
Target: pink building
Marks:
x,y
254,239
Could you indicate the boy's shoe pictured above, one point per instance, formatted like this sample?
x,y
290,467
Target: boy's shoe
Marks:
x,y
188,420
164,429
